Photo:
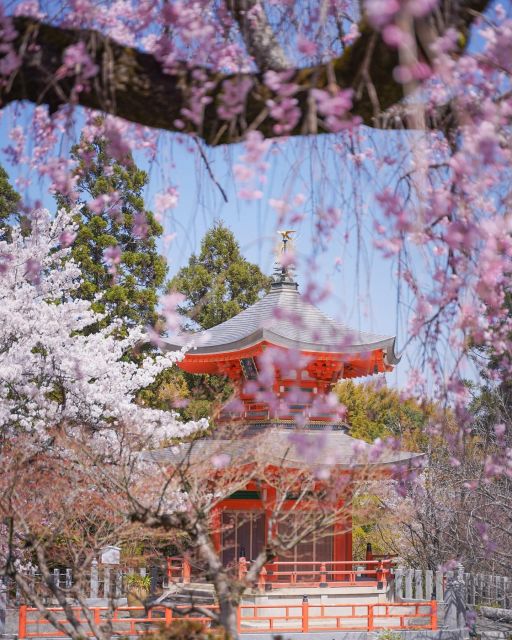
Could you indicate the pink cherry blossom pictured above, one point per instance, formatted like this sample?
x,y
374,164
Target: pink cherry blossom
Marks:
x,y
381,12
170,303
29,8
166,200
306,46
233,97
334,107
140,225
33,270
112,256
67,238
77,60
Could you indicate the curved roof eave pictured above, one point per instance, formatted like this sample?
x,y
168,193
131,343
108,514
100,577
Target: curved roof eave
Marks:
x,y
267,335
278,455
392,357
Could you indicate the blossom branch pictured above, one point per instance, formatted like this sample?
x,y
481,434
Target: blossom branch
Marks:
x,y
134,85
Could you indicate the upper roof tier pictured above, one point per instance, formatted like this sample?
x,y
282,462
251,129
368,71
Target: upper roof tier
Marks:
x,y
285,319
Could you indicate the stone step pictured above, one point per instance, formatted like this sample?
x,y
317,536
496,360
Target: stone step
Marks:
x,y
186,594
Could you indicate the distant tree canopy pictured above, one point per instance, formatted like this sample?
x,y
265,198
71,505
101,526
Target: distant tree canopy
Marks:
x,y
114,217
375,411
9,204
219,282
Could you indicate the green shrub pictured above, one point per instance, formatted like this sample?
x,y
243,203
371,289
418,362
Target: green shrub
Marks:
x,y
138,581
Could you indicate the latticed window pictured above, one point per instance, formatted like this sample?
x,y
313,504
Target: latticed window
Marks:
x,y
318,547
243,534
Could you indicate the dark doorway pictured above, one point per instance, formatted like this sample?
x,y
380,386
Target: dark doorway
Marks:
x,y
243,534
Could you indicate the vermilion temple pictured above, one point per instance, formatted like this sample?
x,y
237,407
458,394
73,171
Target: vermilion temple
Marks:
x,y
301,354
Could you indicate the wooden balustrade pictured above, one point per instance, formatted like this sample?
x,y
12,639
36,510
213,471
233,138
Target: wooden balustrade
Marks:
x,y
302,617
286,573
336,573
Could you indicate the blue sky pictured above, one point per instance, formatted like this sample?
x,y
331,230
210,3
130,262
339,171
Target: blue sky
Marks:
x,y
363,292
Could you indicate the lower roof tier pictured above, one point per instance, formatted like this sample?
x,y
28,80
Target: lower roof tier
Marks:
x,y
287,448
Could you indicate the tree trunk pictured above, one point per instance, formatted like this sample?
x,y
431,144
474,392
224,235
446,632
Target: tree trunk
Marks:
x,y
133,85
228,592
228,617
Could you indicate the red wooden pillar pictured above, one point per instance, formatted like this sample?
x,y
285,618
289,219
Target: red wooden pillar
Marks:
x,y
216,528
342,542
348,537
269,502
339,551
22,622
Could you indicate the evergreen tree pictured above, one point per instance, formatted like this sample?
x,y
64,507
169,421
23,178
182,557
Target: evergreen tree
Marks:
x,y
9,204
114,218
219,282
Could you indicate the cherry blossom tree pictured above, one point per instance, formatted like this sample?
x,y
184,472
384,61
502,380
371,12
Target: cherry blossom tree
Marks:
x,y
67,409
460,507
51,373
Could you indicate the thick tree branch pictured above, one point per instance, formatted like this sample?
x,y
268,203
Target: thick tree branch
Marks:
x,y
134,86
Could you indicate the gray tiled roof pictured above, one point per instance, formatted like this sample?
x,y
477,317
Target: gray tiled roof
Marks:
x,y
284,318
285,449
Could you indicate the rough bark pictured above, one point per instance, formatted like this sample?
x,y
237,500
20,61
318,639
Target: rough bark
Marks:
x,y
133,85
258,35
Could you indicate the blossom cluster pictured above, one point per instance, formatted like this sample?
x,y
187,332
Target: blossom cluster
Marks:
x,y
52,371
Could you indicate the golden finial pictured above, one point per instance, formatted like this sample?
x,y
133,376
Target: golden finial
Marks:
x,y
286,236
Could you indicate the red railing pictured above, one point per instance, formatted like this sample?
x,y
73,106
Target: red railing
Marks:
x,y
337,617
336,573
341,573
250,618
124,620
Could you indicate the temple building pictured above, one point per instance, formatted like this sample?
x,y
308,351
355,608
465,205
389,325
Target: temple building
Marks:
x,y
284,357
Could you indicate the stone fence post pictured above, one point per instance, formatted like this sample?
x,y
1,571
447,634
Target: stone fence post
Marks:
x,y
3,605
94,586
455,600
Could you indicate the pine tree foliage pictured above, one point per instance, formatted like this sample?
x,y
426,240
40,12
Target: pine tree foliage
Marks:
x,y
376,411
219,282
9,204
113,215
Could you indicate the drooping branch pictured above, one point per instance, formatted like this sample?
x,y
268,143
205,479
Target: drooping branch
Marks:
x,y
133,85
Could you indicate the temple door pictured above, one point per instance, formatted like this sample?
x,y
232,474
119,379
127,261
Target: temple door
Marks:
x,y
308,554
243,535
